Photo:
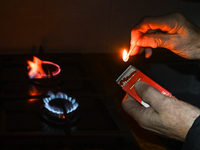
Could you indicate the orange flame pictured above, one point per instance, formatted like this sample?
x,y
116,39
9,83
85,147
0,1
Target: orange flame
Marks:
x,y
36,70
125,56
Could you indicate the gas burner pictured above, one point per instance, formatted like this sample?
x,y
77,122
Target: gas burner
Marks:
x,y
43,72
60,109
60,104
36,69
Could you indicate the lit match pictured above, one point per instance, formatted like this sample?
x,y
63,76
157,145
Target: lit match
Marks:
x,y
126,54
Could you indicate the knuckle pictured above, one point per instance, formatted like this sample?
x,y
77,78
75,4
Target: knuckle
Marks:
x,y
133,31
146,20
157,43
166,100
178,15
166,103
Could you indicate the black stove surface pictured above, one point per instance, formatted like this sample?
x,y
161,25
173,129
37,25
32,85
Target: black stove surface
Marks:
x,y
98,123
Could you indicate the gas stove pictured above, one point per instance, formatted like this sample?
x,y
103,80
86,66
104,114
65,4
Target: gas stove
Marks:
x,y
68,111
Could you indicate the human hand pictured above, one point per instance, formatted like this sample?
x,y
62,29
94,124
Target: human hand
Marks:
x,y
167,116
173,32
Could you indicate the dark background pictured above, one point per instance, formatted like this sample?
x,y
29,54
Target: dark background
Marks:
x,y
79,25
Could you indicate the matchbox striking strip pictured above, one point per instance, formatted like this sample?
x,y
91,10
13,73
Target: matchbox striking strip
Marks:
x,y
128,79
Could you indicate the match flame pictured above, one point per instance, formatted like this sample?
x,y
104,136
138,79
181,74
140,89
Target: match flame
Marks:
x,y
36,70
124,56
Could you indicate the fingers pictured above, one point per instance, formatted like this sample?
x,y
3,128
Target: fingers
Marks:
x,y
130,104
145,33
132,107
150,41
139,112
148,51
150,95
156,40
135,48
167,23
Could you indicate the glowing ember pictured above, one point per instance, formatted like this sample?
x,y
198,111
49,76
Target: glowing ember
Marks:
x,y
125,56
36,70
73,104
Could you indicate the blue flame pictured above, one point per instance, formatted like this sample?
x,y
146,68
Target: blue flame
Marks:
x,y
74,104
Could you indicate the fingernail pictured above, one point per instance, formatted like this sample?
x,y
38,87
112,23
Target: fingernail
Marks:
x,y
148,52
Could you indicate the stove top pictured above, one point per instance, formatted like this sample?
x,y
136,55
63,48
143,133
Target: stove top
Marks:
x,y
95,123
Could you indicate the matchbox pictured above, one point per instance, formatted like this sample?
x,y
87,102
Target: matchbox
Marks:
x,y
132,75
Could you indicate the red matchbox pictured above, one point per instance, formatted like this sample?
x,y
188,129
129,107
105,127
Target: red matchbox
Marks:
x,y
132,75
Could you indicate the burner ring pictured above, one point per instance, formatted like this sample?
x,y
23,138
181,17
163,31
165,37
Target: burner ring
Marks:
x,y
66,106
36,71
53,73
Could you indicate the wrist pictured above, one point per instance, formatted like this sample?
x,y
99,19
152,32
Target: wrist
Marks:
x,y
189,125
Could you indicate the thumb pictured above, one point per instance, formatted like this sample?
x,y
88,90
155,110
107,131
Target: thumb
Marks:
x,y
155,40
149,94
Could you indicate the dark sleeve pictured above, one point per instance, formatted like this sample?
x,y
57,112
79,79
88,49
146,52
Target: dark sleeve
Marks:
x,y
192,141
